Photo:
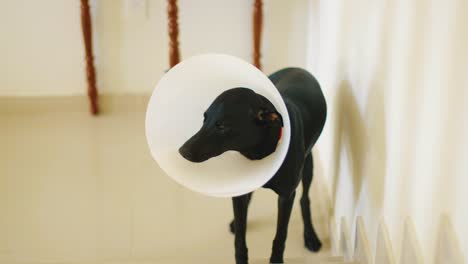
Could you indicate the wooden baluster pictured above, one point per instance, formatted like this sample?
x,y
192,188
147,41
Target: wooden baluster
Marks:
x,y
172,12
88,44
257,32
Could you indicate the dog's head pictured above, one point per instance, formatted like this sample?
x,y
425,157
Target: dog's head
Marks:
x,y
239,119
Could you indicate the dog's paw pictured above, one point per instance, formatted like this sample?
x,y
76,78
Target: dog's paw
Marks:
x,y
312,243
276,260
231,227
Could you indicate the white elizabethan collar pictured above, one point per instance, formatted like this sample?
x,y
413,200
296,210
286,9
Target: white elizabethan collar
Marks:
x,y
175,113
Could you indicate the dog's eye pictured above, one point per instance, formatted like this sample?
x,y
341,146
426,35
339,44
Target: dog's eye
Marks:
x,y
220,125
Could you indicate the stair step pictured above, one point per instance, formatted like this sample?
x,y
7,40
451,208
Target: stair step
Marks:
x,y
340,262
333,259
320,259
336,260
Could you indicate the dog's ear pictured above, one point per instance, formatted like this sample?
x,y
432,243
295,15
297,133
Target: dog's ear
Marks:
x,y
268,117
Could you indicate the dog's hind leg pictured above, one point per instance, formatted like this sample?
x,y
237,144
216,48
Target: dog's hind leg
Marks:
x,y
285,204
311,241
231,225
240,204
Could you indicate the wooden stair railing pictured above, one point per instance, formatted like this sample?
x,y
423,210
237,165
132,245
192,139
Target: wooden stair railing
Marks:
x,y
173,26
257,32
88,44
173,29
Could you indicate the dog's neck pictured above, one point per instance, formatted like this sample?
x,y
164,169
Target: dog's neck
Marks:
x,y
266,146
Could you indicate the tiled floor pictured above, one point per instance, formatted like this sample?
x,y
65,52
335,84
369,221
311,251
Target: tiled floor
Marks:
x,y
82,189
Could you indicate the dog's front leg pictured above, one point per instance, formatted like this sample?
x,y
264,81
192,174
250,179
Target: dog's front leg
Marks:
x,y
285,204
240,205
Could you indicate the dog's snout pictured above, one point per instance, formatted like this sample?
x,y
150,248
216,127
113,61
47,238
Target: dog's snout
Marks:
x,y
194,155
186,153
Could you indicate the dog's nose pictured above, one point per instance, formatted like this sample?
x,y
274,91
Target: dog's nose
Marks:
x,y
188,155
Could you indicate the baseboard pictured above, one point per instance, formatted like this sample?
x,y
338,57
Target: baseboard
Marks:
x,y
410,249
362,250
334,238
448,248
447,251
384,250
345,247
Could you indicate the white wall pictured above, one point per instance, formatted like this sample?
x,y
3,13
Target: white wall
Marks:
x,y
40,47
394,74
41,41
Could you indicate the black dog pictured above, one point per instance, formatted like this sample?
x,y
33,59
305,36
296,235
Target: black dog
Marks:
x,y
242,120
